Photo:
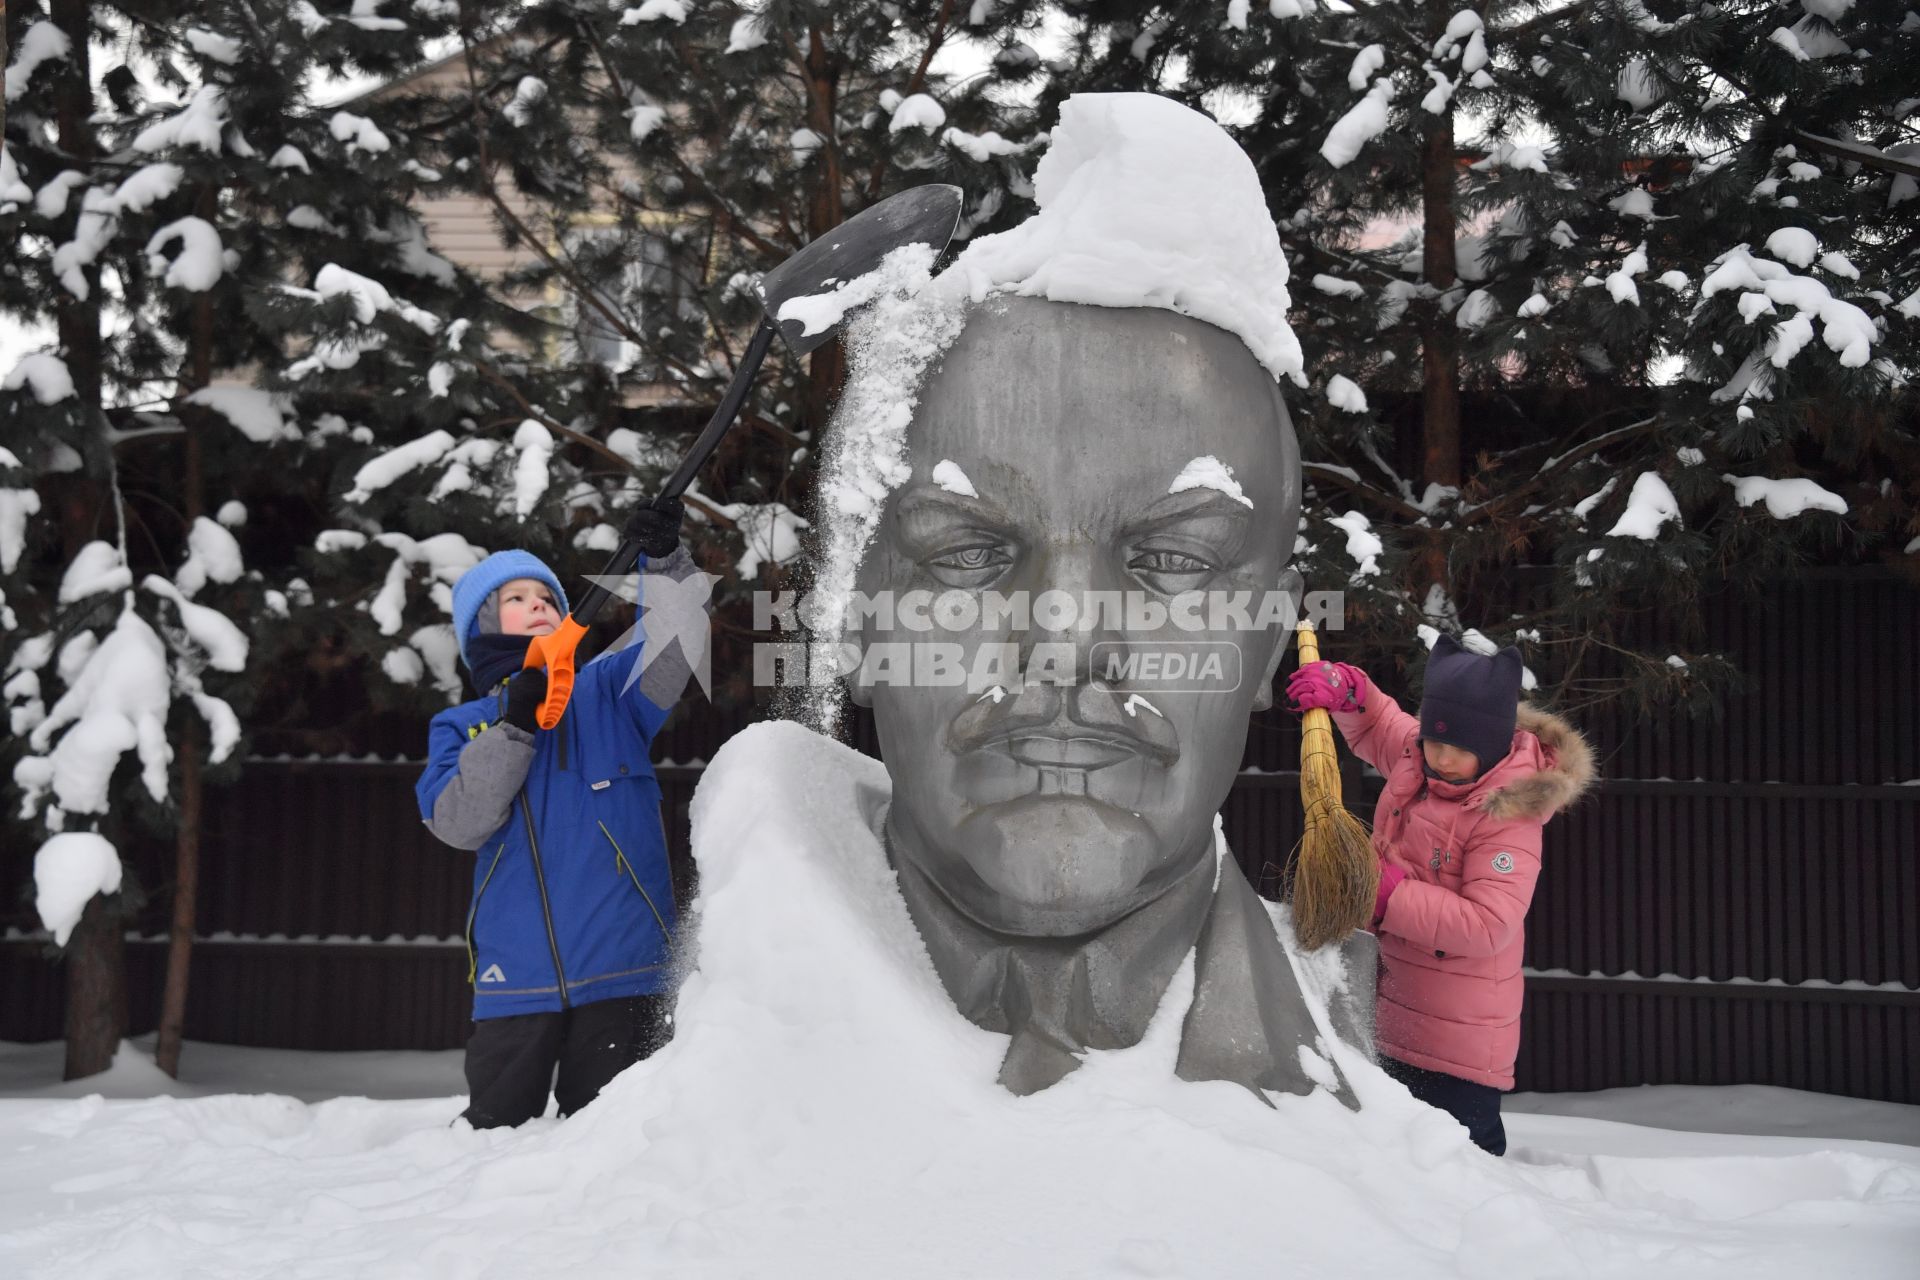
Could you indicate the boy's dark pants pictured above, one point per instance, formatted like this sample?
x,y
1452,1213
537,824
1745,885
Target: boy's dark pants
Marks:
x,y
1477,1106
511,1061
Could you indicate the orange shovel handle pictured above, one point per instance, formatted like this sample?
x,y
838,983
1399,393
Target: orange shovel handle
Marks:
x,y
554,651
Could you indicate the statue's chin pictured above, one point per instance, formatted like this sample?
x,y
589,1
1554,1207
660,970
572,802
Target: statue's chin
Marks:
x,y
1058,865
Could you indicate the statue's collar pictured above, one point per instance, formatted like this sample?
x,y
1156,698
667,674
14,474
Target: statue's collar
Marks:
x,y
1056,998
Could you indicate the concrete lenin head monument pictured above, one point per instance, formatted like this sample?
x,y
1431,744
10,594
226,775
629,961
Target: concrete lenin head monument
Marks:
x,y
1099,459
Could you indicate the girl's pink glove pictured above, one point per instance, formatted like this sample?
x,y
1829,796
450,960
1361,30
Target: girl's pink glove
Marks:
x,y
1327,686
1390,878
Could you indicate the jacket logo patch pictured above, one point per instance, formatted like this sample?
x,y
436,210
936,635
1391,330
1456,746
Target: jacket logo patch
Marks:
x,y
493,974
1503,862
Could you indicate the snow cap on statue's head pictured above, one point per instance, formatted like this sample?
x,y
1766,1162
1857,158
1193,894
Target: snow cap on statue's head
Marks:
x,y
476,586
1145,203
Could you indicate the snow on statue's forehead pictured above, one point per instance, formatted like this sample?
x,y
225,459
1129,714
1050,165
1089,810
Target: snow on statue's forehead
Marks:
x,y
1145,203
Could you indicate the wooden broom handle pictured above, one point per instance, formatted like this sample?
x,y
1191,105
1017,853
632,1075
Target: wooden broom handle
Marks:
x,y
1307,642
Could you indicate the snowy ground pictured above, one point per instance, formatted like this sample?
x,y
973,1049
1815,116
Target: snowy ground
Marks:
x,y
824,1111
1569,1123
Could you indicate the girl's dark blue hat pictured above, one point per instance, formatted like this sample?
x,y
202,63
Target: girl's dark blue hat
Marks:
x,y
1472,699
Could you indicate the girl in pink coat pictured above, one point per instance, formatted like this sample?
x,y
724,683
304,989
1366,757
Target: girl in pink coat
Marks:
x,y
1470,782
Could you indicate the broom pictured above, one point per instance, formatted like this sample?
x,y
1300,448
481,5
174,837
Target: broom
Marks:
x,y
1335,873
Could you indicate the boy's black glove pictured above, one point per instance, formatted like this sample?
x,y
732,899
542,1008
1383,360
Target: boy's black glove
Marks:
x,y
656,527
525,693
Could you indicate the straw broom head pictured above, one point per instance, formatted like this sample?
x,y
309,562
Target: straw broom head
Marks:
x,y
1335,873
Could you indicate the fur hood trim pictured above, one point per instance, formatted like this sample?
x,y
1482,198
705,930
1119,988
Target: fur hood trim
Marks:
x,y
1569,774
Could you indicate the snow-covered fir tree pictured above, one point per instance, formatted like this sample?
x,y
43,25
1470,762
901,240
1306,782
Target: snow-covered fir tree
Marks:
x,y
1622,288
161,182
644,165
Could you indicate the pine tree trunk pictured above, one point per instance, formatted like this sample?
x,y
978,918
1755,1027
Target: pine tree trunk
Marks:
x,y
78,322
1439,338
186,885
94,954
96,988
3,62
826,209
186,854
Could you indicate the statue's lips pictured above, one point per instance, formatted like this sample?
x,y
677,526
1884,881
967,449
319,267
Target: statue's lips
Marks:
x,y
1077,750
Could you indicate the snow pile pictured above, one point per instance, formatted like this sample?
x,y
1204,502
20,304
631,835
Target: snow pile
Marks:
x,y
95,569
224,644
534,445
116,703
948,475
370,297
825,1112
42,42
13,190
201,260
1649,506
771,533
1363,122
655,10
1145,203
1344,394
197,124
890,347
258,415
1208,472
358,133
441,652
15,506
445,555
394,463
45,375
213,554
1848,331
68,870
1785,499
748,33
982,147
920,111
1363,544
819,312
1638,85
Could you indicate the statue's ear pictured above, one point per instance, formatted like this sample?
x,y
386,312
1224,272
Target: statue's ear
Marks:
x,y
859,688
1294,588
860,678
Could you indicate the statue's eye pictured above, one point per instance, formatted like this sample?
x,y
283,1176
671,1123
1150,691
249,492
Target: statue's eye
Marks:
x,y
967,558
969,566
1169,562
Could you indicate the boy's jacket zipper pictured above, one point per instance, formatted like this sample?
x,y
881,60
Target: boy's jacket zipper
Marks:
x,y
546,908
540,879
621,864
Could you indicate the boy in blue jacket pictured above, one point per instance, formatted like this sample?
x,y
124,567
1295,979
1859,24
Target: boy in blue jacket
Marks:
x,y
570,932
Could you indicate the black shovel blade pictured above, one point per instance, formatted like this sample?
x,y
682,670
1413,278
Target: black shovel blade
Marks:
x,y
920,215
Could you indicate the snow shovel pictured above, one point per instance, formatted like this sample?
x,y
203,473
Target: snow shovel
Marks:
x,y
923,215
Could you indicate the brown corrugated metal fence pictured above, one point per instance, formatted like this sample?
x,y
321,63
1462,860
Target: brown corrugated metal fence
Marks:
x,y
1740,901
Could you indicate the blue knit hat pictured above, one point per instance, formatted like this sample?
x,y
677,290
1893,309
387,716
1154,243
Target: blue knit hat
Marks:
x,y
496,571
1472,700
